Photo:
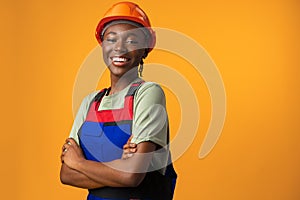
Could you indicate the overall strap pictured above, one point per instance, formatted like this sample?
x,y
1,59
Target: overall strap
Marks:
x,y
100,95
133,88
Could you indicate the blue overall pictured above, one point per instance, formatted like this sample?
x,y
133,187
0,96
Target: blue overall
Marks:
x,y
102,136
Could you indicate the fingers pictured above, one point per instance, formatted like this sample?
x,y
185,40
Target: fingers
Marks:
x,y
62,158
71,152
126,146
133,145
130,147
67,145
126,155
128,150
71,141
64,149
129,140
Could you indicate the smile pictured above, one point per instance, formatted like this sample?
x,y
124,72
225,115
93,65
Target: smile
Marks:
x,y
119,59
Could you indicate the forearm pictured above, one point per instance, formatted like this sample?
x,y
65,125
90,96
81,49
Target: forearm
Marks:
x,y
117,173
72,177
110,174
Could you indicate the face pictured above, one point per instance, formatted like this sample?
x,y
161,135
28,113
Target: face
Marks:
x,y
123,47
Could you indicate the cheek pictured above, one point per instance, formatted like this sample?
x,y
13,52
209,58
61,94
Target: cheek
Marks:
x,y
105,54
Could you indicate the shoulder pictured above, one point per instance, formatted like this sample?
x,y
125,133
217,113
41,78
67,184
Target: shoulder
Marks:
x,y
150,90
91,95
89,98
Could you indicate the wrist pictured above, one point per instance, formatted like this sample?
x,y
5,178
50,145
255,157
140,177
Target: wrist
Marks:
x,y
79,165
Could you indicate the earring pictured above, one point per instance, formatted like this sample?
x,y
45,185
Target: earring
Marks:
x,y
141,68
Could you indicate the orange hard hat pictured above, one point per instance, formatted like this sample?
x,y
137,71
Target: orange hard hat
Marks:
x,y
126,11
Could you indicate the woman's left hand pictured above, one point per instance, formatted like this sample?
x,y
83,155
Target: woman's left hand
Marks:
x,y
129,149
71,153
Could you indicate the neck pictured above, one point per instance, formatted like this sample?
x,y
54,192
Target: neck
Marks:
x,y
119,83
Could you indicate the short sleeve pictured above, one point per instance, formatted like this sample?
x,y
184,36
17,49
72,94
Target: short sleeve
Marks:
x,y
150,121
81,116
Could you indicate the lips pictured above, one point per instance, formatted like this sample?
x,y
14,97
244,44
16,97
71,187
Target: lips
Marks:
x,y
119,60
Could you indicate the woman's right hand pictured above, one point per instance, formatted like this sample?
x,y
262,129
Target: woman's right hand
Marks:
x,y
129,149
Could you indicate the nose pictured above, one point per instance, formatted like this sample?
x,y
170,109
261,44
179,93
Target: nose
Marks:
x,y
120,47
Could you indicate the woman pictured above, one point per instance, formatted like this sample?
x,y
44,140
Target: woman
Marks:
x,y
129,115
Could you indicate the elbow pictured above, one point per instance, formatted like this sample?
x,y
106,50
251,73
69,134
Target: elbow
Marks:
x,y
64,178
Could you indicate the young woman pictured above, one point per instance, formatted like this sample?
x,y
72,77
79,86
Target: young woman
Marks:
x,y
130,115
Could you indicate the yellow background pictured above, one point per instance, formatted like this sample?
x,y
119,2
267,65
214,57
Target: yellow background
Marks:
x,y
255,45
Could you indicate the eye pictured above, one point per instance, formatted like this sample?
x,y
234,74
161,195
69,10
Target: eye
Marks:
x,y
132,42
111,40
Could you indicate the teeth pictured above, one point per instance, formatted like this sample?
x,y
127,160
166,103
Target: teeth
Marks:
x,y
119,59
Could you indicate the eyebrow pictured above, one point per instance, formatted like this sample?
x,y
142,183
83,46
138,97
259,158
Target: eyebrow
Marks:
x,y
129,34
111,32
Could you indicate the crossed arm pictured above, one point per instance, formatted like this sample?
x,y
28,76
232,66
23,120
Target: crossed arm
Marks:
x,y
126,172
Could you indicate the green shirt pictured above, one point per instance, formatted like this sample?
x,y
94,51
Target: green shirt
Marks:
x,y
150,120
